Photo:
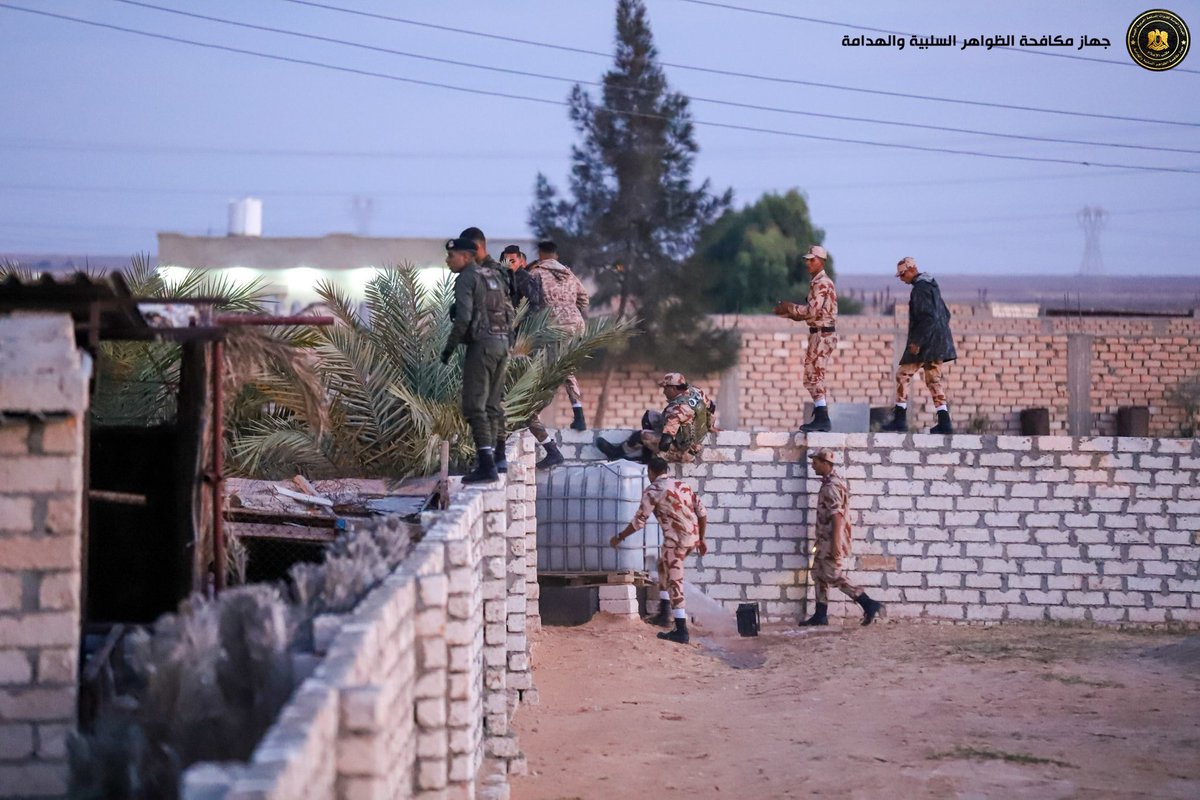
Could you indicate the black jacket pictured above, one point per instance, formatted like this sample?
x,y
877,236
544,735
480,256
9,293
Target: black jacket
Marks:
x,y
928,324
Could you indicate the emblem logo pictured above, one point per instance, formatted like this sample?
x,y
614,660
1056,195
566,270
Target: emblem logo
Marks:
x,y
1158,40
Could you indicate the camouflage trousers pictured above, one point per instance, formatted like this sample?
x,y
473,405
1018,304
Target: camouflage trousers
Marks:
x,y
537,427
933,379
670,572
574,394
827,574
816,358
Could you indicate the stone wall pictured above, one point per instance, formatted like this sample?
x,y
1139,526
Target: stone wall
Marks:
x,y
1004,366
417,687
964,528
43,400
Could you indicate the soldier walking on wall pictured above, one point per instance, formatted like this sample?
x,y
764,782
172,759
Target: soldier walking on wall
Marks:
x,y
677,433
564,294
683,518
832,536
930,344
820,313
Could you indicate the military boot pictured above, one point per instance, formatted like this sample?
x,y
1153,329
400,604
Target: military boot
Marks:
x,y
578,423
663,618
501,457
871,608
820,421
899,423
943,423
680,634
819,617
611,451
485,470
553,458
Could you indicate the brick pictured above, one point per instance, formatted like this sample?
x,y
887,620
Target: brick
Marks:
x,y
41,474
57,666
37,779
26,704
16,514
24,552
39,630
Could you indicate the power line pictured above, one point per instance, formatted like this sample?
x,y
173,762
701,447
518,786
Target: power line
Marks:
x,y
563,103
737,74
797,17
694,98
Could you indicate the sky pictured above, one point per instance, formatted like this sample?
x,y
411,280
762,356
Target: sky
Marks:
x,y
111,136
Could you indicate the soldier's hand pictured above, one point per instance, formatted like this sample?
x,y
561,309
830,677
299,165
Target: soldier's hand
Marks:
x,y
614,541
664,444
702,548
783,309
914,348
447,354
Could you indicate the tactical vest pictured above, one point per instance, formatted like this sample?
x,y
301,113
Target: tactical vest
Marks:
x,y
695,431
494,320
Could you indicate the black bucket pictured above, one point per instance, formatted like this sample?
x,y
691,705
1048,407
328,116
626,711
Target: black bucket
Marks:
x,y
747,619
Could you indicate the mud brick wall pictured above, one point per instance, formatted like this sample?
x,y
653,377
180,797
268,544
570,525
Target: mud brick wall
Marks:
x,y
43,400
1004,366
417,686
963,528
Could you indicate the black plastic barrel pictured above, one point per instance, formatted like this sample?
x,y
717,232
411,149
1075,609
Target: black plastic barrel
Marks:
x,y
747,619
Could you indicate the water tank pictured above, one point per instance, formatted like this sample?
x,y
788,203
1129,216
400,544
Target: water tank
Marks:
x,y
245,217
581,506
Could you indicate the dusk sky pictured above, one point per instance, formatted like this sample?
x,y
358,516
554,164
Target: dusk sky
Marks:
x,y
110,136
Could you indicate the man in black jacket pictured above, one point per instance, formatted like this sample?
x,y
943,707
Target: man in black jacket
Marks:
x,y
930,344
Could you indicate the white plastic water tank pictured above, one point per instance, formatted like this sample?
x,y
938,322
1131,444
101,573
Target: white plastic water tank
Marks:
x,y
245,217
581,506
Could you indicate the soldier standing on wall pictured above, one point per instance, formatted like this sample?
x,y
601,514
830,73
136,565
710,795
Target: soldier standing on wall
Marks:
x,y
482,320
930,344
677,433
820,313
683,518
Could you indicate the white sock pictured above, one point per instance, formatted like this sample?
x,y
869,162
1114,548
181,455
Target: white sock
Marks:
x,y
942,407
901,405
576,405
485,449
679,613
663,596
819,403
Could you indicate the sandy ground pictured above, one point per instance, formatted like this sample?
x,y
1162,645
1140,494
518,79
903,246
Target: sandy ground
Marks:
x,y
895,710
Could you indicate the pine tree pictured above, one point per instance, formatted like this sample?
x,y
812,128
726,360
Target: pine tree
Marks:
x,y
633,215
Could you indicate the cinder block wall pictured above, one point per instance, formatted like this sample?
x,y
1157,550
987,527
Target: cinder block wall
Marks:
x,y
43,400
965,528
415,694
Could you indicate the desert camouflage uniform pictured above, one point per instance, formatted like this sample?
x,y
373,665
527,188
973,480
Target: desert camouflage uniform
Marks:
x,y
833,499
564,294
931,371
821,315
678,510
679,420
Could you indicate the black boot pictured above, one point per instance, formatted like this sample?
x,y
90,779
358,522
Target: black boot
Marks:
x,y
680,634
663,618
578,423
610,450
485,471
553,458
819,617
870,608
943,423
501,457
820,421
899,423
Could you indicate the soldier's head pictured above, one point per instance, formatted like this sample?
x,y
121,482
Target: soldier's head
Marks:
x,y
547,249
673,384
460,253
815,259
822,461
512,257
656,466
476,236
906,269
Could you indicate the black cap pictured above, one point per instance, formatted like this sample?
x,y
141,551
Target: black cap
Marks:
x,y
460,244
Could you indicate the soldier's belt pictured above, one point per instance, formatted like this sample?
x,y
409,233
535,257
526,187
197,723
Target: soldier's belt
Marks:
x,y
830,329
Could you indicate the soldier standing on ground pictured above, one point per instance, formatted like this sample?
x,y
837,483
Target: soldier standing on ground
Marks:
x,y
820,313
832,535
482,320
564,294
677,433
929,345
683,518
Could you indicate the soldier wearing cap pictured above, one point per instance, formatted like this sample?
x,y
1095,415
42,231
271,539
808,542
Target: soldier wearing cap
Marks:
x,y
820,314
832,536
930,344
482,317
677,433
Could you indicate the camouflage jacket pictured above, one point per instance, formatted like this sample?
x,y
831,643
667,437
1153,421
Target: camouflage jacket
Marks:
x,y
821,309
688,418
677,508
563,293
833,499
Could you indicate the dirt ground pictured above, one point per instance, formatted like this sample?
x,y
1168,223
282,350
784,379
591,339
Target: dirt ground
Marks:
x,y
896,710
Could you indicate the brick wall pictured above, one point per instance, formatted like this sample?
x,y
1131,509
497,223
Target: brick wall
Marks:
x,y
417,686
966,528
1004,366
43,397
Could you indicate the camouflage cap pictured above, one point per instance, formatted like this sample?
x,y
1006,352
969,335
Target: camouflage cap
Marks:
x,y
906,263
673,379
816,251
822,454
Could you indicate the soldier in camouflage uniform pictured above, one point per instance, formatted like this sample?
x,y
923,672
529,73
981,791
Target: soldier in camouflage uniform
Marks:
x,y
564,294
483,317
683,518
677,433
820,314
833,542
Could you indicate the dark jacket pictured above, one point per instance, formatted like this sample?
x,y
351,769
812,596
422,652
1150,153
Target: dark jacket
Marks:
x,y
481,309
928,324
525,287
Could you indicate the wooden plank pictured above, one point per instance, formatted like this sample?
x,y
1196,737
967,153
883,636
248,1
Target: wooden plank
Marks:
x,y
294,533
279,518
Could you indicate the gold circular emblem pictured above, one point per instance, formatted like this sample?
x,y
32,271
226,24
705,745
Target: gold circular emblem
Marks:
x,y
1158,40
